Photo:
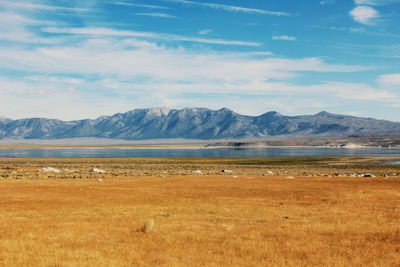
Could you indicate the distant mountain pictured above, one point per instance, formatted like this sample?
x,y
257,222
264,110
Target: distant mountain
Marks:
x,y
197,123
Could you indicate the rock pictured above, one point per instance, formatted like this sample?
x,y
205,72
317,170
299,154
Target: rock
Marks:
x,y
369,175
96,170
289,177
197,172
235,176
100,180
269,173
148,226
50,169
227,171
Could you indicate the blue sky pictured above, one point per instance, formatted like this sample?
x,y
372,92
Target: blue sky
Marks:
x,y
71,59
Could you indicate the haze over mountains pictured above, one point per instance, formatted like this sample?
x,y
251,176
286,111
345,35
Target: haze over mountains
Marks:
x,y
197,123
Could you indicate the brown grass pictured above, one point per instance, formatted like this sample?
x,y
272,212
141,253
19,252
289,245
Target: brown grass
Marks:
x,y
207,220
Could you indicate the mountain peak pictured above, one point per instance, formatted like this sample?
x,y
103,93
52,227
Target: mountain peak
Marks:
x,y
323,113
158,111
225,110
197,123
194,109
4,118
272,113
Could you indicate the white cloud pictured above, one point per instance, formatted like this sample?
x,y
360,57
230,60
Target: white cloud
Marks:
x,y
364,14
99,32
138,5
54,79
129,69
376,2
18,87
284,38
326,2
159,15
231,8
13,18
55,97
30,6
390,79
359,92
205,31
13,27
124,33
132,58
131,73
330,90
24,98
358,30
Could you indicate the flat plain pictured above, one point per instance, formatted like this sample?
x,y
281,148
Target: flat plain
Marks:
x,y
206,212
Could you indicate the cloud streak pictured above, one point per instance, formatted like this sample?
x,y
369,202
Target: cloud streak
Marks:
x,y
59,68
152,35
158,15
131,58
30,6
376,2
390,79
284,38
139,5
13,28
231,8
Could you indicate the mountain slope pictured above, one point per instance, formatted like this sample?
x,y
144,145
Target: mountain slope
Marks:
x,y
197,123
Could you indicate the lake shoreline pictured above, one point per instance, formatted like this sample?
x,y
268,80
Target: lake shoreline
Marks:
x,y
196,152
350,142
176,146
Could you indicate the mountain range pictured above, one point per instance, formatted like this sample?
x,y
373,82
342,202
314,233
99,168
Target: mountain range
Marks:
x,y
197,123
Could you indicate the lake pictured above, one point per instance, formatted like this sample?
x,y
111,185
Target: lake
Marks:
x,y
218,152
392,162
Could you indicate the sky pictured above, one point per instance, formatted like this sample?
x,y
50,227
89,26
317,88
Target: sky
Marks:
x,y
71,59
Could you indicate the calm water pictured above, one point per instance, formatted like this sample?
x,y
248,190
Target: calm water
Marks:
x,y
392,162
224,152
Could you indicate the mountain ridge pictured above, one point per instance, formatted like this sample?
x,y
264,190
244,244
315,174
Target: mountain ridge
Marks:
x,y
196,123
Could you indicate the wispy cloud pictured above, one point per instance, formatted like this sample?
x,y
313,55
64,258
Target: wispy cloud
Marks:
x,y
130,58
14,28
54,67
123,69
205,31
376,2
390,79
326,2
357,30
54,99
284,38
163,36
231,8
159,15
99,32
364,14
138,5
27,5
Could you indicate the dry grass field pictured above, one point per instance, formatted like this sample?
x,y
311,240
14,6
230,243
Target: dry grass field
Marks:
x,y
249,217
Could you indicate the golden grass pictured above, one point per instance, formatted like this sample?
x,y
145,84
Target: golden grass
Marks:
x,y
200,220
